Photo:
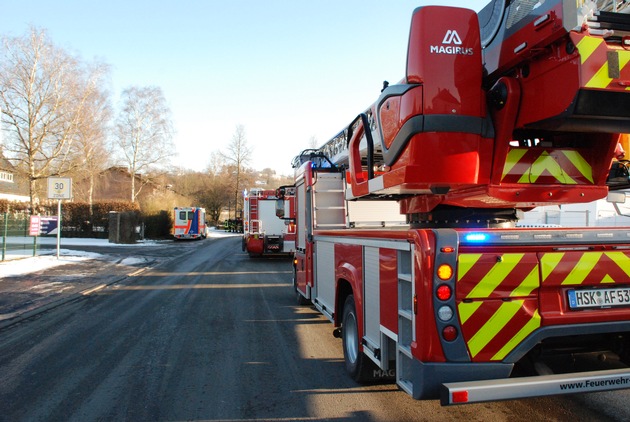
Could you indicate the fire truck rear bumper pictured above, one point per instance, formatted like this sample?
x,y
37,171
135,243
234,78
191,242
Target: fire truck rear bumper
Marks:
x,y
429,377
516,388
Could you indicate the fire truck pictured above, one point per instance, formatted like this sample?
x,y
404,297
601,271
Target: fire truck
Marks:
x,y
189,223
514,107
266,232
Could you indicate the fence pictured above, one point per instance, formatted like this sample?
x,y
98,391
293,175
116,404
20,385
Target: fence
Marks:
x,y
16,241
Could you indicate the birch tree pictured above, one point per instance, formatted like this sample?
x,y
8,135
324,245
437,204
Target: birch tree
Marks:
x,y
238,154
143,133
43,90
92,132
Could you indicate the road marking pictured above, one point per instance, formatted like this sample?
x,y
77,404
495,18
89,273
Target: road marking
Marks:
x,y
201,286
165,274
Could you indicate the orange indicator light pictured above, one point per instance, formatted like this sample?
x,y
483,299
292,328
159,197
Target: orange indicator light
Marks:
x,y
444,272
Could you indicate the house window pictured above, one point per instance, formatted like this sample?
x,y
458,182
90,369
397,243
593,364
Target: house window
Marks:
x,y
6,177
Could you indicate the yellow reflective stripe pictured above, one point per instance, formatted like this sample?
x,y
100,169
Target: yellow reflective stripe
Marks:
x,y
466,310
465,263
495,276
600,79
513,157
546,162
624,58
527,329
501,317
621,259
580,163
528,285
587,46
548,263
582,268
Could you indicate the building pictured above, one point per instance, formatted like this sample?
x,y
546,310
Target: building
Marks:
x,y
13,187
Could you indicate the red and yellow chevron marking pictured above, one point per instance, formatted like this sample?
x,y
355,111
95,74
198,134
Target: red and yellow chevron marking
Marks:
x,y
494,326
595,64
542,166
483,276
581,268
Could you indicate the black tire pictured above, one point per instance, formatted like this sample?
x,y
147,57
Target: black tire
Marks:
x,y
358,365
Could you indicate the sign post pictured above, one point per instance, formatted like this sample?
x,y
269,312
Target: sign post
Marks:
x,y
59,188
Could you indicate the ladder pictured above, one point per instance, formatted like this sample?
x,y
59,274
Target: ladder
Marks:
x,y
254,223
404,359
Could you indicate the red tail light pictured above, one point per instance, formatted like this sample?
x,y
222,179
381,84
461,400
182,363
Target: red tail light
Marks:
x,y
460,396
449,333
444,292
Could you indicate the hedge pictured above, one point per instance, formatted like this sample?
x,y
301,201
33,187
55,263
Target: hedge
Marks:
x,y
78,222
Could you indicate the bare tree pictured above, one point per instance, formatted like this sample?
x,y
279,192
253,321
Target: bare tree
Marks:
x,y
144,132
215,197
93,130
43,90
238,154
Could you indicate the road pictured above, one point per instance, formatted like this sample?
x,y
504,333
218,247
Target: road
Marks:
x,y
216,335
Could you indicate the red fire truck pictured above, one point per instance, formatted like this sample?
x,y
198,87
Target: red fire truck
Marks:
x,y
499,112
265,232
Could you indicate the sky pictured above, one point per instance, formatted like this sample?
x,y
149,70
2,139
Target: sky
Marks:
x,y
287,71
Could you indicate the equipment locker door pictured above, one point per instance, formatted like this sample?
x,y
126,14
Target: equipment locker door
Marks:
x,y
371,297
324,254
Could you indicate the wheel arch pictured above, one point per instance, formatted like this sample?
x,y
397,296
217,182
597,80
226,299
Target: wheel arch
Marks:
x,y
344,289
349,280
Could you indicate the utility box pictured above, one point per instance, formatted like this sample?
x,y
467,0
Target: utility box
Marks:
x,y
122,227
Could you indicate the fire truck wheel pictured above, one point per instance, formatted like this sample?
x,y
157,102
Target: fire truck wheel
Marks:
x,y
358,365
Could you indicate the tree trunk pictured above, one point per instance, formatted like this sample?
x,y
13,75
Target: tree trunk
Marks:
x,y
133,187
91,195
32,189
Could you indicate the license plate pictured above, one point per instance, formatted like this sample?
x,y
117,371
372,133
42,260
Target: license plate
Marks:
x,y
599,298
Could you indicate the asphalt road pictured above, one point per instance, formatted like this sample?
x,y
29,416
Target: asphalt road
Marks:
x,y
215,335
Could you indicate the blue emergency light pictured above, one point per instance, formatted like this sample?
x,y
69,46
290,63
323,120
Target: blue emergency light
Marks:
x,y
476,237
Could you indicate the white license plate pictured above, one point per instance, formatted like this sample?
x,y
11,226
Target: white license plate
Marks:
x,y
598,298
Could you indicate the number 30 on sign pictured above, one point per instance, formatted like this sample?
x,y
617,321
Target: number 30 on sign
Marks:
x,y
59,188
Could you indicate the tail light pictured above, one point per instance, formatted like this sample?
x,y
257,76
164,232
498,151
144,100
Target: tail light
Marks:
x,y
449,333
444,292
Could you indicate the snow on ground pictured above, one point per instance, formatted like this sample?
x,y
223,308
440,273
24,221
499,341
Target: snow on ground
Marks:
x,y
16,267
22,262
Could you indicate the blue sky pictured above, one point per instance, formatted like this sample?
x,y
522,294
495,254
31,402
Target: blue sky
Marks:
x,y
285,70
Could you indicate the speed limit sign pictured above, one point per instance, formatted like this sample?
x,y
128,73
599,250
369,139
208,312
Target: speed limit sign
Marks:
x,y
59,188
